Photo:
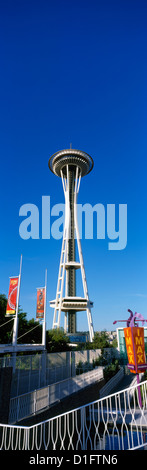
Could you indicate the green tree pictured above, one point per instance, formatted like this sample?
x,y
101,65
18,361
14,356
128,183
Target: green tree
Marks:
x,y
28,331
100,340
24,326
111,369
6,325
114,343
57,340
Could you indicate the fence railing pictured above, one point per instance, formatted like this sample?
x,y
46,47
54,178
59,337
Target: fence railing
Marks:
x,y
38,370
116,422
109,386
30,403
24,381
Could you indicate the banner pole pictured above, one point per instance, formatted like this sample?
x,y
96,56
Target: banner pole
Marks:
x,y
15,327
44,321
135,358
139,391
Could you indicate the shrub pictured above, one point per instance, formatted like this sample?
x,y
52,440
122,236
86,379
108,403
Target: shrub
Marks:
x,y
111,369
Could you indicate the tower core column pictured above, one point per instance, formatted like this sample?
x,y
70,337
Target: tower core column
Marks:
x,y
71,273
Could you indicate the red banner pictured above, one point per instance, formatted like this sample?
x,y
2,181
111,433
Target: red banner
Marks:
x,y
12,296
40,303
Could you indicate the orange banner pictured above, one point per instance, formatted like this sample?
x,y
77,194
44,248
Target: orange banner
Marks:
x,y
12,296
134,338
40,303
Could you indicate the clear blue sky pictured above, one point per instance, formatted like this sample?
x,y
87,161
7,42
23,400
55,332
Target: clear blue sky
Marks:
x,y
75,72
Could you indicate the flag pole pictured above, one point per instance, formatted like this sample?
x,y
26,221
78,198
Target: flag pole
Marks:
x,y
44,321
15,327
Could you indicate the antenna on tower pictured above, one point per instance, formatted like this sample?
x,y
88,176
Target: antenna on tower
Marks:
x,y
70,145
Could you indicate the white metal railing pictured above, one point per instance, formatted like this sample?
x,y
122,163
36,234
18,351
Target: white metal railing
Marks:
x,y
116,422
109,386
30,403
24,381
38,370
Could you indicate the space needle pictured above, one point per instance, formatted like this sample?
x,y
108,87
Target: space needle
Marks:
x,y
71,165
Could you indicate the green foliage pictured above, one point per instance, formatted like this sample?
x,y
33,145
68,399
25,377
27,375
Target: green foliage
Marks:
x,y
97,362
114,343
82,367
111,369
6,330
57,341
24,330
23,326
3,305
145,375
100,340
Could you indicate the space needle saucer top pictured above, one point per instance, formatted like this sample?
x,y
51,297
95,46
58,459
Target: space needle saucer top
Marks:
x,y
75,158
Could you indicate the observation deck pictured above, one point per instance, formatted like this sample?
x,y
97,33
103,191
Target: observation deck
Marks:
x,y
73,303
75,158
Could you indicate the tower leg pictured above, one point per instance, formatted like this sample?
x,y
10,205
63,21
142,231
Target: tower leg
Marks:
x,y
71,182
61,275
84,282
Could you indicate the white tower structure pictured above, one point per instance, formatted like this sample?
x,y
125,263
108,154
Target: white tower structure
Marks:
x,y
71,165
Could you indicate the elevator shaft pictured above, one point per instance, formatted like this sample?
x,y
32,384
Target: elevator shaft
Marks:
x,y
71,274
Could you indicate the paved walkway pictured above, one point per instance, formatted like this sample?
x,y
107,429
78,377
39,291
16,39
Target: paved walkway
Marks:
x,y
124,383
80,398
